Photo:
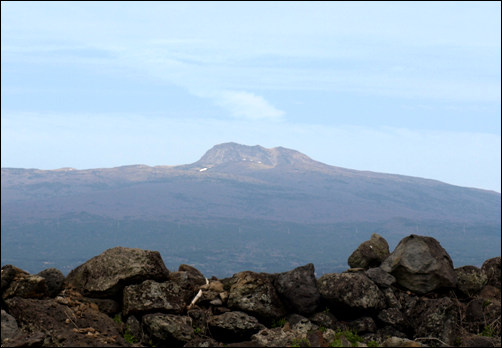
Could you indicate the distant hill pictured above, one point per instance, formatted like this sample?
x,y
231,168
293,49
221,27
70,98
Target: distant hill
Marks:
x,y
237,190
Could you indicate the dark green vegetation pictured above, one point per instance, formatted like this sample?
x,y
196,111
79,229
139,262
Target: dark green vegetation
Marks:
x,y
249,208
222,247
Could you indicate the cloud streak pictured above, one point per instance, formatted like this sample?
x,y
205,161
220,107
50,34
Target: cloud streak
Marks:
x,y
247,105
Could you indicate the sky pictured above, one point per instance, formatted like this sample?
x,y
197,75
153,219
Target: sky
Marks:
x,y
410,88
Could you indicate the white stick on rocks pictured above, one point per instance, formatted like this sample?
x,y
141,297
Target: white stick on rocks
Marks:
x,y
196,298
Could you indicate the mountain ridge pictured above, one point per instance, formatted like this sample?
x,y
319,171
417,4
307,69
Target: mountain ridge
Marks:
x,y
221,155
235,180
240,208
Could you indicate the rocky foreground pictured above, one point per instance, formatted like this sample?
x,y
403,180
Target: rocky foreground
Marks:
x,y
127,297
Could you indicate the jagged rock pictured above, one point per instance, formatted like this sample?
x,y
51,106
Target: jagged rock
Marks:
x,y
390,298
23,284
436,318
189,279
50,323
255,294
324,319
470,279
354,290
392,316
421,265
276,337
407,301
9,326
380,277
492,269
151,296
168,329
370,253
233,326
107,274
194,272
298,289
54,280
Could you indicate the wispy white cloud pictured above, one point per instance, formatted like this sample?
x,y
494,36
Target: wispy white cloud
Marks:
x,y
247,105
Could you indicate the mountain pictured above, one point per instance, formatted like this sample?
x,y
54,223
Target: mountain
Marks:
x,y
249,195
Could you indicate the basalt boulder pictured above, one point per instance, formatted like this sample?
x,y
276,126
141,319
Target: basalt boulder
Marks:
x,y
380,277
19,283
56,322
370,253
151,296
168,329
189,279
298,289
421,265
492,269
352,290
437,318
255,294
54,280
107,274
470,280
233,326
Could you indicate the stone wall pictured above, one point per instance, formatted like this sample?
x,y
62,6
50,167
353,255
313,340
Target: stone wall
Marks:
x,y
127,297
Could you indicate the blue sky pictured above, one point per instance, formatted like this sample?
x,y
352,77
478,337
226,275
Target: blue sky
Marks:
x,y
408,88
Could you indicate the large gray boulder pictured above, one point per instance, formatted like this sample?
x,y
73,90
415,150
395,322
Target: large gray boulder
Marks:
x,y
421,265
233,326
255,294
353,290
152,296
298,289
168,329
370,253
106,275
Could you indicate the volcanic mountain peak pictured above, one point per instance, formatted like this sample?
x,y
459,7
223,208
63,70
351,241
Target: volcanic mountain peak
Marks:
x,y
227,153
